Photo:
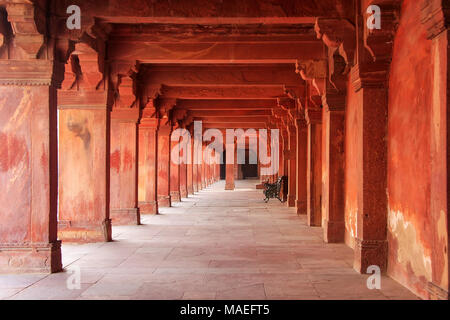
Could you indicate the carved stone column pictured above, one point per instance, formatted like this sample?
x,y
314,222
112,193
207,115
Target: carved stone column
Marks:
x,y
28,151
163,167
230,163
124,161
194,161
314,166
183,172
190,166
148,128
84,157
333,166
292,165
175,173
301,159
163,152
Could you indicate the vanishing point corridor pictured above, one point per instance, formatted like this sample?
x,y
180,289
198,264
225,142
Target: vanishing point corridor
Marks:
x,y
215,244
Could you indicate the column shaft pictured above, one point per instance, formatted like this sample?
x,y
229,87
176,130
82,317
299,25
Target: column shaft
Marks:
x,y
147,166
124,193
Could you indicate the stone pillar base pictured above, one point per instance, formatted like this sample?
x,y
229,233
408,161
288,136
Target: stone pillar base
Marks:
x,y
175,196
370,253
164,201
84,232
32,258
150,207
190,190
183,193
334,231
126,217
195,188
229,186
301,207
291,201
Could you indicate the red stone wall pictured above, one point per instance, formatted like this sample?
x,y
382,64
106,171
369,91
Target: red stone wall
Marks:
x,y
353,123
410,223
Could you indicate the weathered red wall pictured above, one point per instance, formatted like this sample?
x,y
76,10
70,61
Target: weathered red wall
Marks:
x,y
353,123
409,161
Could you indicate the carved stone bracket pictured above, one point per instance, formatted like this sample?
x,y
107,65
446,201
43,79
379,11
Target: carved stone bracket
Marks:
x,y
27,24
339,36
123,83
313,72
375,48
83,71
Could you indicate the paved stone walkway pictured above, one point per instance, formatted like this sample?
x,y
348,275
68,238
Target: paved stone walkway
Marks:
x,y
214,245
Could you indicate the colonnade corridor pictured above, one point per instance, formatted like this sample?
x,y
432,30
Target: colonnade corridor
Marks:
x,y
215,244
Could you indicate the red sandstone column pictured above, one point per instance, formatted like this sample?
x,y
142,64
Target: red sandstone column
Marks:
x,y
199,164
194,163
175,174
292,166
230,164
28,166
190,168
84,155
124,194
183,177
284,161
147,165
333,162
163,166
314,165
203,166
302,145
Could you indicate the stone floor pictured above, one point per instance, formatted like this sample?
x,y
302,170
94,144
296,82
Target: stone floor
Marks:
x,y
214,245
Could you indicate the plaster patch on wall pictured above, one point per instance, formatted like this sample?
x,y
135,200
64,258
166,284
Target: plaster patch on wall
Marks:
x,y
409,248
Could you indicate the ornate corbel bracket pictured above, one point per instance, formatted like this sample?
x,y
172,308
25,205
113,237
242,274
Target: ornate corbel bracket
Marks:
x,y
163,107
378,42
123,83
340,38
314,72
24,29
83,71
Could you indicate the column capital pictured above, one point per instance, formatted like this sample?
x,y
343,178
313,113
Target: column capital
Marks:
x,y
31,73
164,130
286,103
300,123
313,116
334,102
125,115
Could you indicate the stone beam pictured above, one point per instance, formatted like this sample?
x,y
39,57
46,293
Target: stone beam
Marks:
x,y
222,92
175,75
276,52
232,118
207,12
229,104
234,113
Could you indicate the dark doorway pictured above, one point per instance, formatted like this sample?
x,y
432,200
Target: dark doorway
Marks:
x,y
249,170
223,168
